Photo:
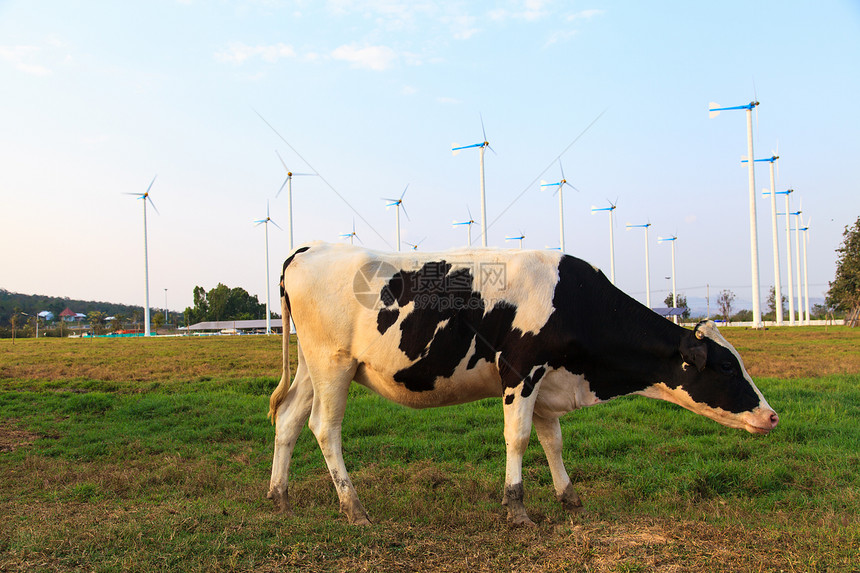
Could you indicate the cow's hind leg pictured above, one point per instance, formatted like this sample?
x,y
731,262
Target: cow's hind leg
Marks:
x,y
549,434
331,387
290,418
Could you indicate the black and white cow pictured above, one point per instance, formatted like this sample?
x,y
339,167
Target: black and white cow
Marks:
x,y
546,332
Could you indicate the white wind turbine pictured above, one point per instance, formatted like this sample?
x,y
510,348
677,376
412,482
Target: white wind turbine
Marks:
x,y
266,222
518,238
777,285
288,183
805,230
482,146
416,245
647,262
352,235
797,224
787,193
560,191
672,239
398,203
611,210
714,110
468,225
146,198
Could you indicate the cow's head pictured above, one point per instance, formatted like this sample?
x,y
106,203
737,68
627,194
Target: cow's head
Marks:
x,y
711,380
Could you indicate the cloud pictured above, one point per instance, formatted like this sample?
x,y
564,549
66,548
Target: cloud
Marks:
x,y
530,11
584,15
409,90
20,57
377,58
447,100
238,53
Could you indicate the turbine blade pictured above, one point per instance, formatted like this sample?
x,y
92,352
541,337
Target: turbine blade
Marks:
x,y
483,131
150,184
287,169
404,192
151,203
275,224
402,206
713,110
284,184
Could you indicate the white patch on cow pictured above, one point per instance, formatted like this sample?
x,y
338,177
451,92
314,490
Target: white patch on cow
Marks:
x,y
562,392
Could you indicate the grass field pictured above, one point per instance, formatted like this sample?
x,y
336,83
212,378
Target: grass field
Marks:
x,y
142,455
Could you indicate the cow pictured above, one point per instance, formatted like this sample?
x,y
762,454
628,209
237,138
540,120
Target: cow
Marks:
x,y
544,331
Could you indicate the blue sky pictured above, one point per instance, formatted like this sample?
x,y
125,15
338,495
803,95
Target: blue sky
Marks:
x,y
99,97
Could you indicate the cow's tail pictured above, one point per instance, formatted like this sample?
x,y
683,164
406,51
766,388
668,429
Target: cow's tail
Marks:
x,y
280,392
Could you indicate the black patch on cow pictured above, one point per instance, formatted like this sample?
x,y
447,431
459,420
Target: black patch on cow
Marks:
x,y
595,330
509,399
284,268
385,318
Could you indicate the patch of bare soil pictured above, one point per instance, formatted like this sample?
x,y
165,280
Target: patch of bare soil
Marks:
x,y
12,437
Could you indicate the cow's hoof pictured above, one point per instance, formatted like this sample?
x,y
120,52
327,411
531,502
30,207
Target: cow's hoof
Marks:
x,y
355,513
281,501
520,520
569,500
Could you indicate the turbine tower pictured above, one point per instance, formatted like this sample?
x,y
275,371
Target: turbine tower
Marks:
x,y
787,193
519,238
560,191
266,222
714,110
797,215
288,183
647,263
611,210
146,198
398,203
672,239
455,149
777,285
468,224
805,230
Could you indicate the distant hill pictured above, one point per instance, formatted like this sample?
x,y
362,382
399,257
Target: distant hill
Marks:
x,y
33,304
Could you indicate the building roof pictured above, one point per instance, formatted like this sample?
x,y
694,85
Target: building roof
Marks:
x,y
67,312
234,325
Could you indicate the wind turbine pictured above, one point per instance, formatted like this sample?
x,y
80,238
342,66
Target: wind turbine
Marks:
x,y
805,269
611,210
714,110
519,238
777,285
455,149
399,204
146,198
266,222
788,192
560,191
415,246
647,262
352,235
672,239
468,224
797,214
288,183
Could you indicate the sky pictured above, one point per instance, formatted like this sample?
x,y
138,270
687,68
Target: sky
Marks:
x,y
99,97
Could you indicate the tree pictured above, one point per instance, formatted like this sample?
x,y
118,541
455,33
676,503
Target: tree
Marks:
x,y
223,303
97,321
844,293
682,303
158,320
771,302
725,301
117,322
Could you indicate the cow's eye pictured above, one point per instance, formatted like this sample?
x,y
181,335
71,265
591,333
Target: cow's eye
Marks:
x,y
727,368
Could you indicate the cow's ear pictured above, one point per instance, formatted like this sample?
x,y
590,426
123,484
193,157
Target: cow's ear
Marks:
x,y
694,350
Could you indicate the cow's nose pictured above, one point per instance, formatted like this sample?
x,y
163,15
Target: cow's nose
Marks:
x,y
774,420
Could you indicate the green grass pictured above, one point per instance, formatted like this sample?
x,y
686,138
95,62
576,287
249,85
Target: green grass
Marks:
x,y
103,476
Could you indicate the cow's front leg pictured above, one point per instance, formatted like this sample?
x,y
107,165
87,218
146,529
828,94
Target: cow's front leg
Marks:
x,y
519,403
549,434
